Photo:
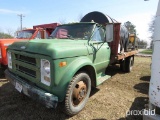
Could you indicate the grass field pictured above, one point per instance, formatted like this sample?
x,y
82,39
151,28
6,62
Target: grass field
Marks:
x,y
148,51
123,92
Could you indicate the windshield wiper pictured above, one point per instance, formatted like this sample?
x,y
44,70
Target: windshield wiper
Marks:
x,y
68,36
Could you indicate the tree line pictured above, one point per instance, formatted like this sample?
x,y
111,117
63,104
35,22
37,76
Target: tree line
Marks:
x,y
132,30
5,35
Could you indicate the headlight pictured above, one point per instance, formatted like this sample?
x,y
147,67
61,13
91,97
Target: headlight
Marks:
x,y
45,72
9,57
0,53
46,67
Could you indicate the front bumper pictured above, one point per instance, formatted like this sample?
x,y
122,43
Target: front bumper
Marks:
x,y
48,99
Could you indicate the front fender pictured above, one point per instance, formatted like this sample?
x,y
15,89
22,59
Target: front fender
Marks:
x,y
3,59
71,70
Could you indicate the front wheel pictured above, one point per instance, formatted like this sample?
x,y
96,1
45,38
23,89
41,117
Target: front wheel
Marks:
x,y
2,69
1,72
77,93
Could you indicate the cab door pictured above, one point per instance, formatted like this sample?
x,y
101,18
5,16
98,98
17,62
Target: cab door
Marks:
x,y
100,49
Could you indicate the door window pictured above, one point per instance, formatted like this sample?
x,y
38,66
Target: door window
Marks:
x,y
98,35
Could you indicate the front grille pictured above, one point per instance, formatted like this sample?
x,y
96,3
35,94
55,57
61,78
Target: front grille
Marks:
x,y
26,59
26,71
26,66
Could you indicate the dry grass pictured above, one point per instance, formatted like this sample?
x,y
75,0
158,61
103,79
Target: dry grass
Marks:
x,y
111,100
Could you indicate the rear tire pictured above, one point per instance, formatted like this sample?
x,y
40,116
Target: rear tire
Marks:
x,y
126,65
129,63
77,93
122,65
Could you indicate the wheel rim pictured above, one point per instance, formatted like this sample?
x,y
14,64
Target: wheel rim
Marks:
x,y
79,93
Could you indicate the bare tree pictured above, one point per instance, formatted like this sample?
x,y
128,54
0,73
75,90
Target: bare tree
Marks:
x,y
142,44
19,29
62,21
10,31
151,27
131,27
80,16
151,30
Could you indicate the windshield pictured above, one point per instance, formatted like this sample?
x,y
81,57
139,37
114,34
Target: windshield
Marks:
x,y
25,34
73,31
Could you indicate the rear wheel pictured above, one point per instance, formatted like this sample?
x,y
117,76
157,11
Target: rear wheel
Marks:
x,y
126,65
122,65
129,63
77,94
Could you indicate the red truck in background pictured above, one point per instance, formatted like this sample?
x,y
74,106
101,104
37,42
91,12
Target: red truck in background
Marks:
x,y
38,32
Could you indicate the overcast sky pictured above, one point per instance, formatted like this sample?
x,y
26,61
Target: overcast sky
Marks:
x,y
139,12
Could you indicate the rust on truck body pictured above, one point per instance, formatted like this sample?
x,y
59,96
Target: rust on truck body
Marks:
x,y
126,54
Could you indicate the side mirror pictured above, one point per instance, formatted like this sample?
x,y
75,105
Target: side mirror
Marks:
x,y
109,32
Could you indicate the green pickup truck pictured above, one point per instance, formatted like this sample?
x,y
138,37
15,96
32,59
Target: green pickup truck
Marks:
x,y
66,66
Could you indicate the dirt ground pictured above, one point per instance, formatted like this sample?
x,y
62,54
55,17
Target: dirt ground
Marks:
x,y
123,92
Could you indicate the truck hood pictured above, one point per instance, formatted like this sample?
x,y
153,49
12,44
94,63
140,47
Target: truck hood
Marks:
x,y
55,48
7,42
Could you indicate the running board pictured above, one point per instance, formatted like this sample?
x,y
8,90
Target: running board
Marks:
x,y
102,79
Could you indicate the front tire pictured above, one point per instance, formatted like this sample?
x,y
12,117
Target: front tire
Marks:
x,y
1,72
2,69
77,93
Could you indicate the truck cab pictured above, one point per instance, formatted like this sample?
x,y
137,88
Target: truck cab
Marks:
x,y
30,34
89,35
